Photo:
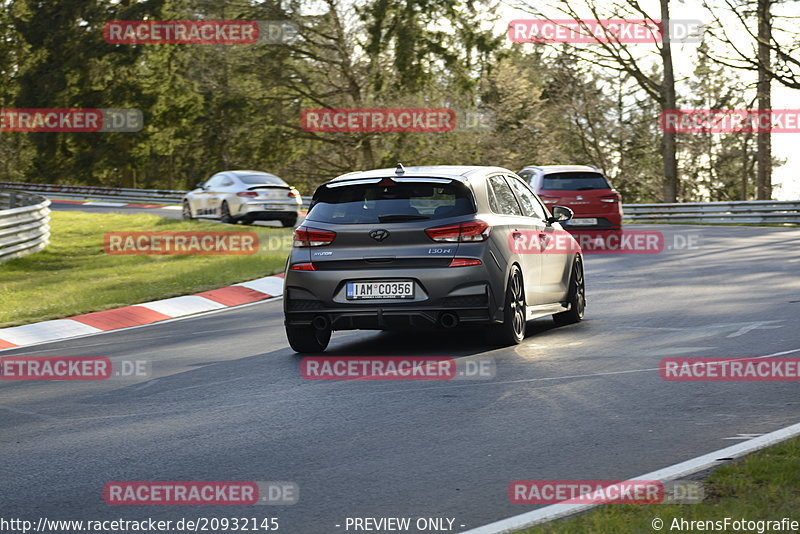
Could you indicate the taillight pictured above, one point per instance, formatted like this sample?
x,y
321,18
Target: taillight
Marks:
x,y
247,194
303,267
464,232
464,262
312,237
610,198
549,200
293,194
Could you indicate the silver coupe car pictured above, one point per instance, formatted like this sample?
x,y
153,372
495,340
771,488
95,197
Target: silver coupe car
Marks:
x,y
244,196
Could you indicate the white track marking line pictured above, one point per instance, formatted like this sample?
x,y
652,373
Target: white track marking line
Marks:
x,y
683,469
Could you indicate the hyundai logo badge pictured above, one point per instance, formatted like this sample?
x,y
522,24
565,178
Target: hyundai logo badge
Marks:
x,y
379,235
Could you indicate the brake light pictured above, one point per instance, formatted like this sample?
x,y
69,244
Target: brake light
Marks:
x,y
549,200
303,267
293,193
464,262
312,237
610,198
247,194
464,232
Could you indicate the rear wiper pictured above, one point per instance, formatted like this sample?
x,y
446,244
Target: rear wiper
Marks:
x,y
400,217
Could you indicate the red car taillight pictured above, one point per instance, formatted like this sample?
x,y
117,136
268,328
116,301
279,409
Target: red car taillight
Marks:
x,y
610,198
464,262
548,200
247,194
293,194
312,237
464,232
303,267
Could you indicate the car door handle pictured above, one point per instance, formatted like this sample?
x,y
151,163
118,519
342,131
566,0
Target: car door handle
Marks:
x,y
544,239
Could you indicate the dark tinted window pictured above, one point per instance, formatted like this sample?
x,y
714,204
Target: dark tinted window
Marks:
x,y
255,179
530,206
574,181
373,203
501,199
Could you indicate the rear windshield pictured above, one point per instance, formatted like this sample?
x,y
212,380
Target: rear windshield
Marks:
x,y
574,181
374,203
255,179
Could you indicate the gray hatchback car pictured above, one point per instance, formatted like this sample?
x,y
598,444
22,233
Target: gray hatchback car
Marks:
x,y
437,246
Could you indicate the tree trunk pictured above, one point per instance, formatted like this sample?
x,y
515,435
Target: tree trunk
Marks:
x,y
763,138
668,102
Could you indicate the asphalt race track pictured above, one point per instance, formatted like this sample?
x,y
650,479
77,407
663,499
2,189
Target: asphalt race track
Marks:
x,y
226,400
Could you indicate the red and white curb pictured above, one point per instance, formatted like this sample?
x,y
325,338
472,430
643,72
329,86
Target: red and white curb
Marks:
x,y
113,204
142,314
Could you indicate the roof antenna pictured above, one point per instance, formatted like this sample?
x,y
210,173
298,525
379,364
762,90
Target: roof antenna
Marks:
x,y
400,169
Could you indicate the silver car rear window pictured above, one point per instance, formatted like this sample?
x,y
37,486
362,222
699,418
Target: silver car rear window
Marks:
x,y
255,179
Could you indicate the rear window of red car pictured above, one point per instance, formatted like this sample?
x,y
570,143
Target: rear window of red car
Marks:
x,y
574,181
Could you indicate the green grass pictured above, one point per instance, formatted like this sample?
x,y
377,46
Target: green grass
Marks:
x,y
762,486
74,275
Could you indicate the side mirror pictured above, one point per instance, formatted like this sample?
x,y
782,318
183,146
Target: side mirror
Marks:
x,y
560,214
201,185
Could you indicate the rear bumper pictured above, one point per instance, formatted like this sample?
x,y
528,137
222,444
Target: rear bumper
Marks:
x,y
605,221
442,294
269,215
380,318
255,210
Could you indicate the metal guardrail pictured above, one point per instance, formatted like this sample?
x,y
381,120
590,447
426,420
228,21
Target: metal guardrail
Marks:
x,y
760,211
109,194
755,211
24,224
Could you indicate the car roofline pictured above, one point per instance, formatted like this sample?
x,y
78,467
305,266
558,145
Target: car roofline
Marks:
x,y
467,172
548,169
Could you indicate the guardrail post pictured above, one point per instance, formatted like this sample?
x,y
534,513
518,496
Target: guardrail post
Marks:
x,y
12,200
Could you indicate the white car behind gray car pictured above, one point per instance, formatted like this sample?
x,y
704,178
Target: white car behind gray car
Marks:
x,y
244,196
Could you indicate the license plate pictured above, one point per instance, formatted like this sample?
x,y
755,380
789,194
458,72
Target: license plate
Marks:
x,y
380,289
274,207
587,221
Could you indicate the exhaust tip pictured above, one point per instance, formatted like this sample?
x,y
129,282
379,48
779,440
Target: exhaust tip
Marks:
x,y
320,322
448,320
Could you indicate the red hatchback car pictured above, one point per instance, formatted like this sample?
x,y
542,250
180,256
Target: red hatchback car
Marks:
x,y
582,188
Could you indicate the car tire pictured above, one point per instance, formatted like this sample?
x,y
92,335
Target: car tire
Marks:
x,y
186,211
576,297
304,338
289,222
225,214
512,330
